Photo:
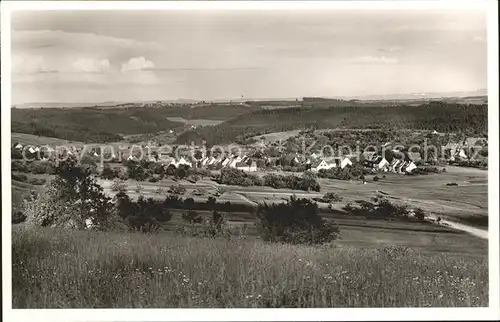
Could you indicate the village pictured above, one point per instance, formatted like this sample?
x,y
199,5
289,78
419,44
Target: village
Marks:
x,y
249,159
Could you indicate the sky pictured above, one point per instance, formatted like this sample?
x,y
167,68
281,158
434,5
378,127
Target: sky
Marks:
x,y
97,56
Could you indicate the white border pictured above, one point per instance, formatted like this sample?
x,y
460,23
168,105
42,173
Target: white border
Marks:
x,y
491,313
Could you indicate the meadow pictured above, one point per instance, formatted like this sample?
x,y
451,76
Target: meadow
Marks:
x,y
88,269
467,202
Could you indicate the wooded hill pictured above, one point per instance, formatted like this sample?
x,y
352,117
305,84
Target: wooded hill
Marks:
x,y
105,125
442,117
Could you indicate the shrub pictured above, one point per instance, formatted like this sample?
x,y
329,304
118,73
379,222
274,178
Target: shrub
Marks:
x,y
331,197
19,166
159,190
177,189
36,181
41,168
297,221
419,213
145,215
19,177
192,217
139,188
18,217
118,185
108,173
199,192
216,226
376,178
452,184
220,191
380,207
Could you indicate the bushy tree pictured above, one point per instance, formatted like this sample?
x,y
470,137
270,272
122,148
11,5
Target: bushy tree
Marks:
x,y
331,197
192,217
108,173
118,185
297,221
71,199
177,189
145,215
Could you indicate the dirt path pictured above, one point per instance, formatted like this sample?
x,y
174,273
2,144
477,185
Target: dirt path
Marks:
x,y
478,232
246,198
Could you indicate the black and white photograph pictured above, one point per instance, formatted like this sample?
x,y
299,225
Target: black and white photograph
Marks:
x,y
212,155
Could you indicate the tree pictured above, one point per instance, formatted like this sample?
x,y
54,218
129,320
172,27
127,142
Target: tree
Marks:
x,y
108,173
296,221
72,199
192,217
118,185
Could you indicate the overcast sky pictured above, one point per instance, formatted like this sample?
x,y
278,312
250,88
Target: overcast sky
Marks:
x,y
78,56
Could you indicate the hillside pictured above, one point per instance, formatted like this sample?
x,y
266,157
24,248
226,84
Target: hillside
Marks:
x,y
106,125
443,117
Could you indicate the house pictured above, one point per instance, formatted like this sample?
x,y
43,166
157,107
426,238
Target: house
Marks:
x,y
183,161
226,162
18,146
314,156
345,162
474,142
205,161
435,132
252,167
383,165
461,154
31,150
410,167
171,131
322,164
234,161
394,165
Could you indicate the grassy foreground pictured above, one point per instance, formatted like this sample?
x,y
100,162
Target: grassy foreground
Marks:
x,y
77,269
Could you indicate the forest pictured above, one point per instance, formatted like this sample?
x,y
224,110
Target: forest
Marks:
x,y
439,116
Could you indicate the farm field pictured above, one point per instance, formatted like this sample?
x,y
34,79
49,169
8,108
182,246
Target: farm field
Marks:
x,y
30,139
195,122
428,192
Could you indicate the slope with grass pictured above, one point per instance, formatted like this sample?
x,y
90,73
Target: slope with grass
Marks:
x,y
58,269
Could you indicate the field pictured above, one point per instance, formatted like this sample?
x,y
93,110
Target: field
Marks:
x,y
460,203
30,139
194,122
67,269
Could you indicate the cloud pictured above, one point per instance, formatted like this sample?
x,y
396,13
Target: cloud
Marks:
x,y
89,65
27,64
373,60
478,39
36,64
390,49
29,39
136,64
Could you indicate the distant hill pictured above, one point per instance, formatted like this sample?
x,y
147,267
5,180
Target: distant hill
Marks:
x,y
105,125
440,116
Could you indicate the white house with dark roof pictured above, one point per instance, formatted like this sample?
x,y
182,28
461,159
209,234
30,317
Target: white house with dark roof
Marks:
x,y
245,166
345,162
